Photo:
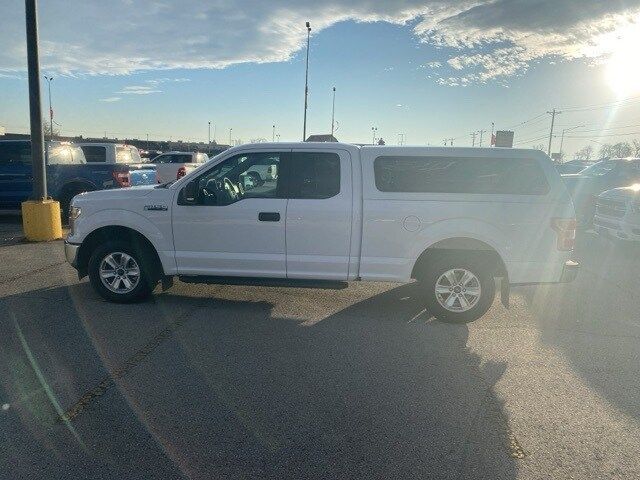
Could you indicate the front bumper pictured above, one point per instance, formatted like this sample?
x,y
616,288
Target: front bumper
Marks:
x,y
71,253
570,271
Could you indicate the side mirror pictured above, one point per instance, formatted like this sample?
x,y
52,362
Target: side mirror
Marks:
x,y
190,192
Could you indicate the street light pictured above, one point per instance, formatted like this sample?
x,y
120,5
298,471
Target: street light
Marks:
x,y
306,86
49,80
374,130
567,130
230,130
333,112
209,133
273,134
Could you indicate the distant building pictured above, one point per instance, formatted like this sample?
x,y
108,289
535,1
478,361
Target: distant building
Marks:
x,y
321,138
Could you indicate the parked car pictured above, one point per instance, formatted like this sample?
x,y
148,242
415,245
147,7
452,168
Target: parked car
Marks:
x,y
173,165
148,155
573,166
68,173
140,173
618,213
453,219
599,177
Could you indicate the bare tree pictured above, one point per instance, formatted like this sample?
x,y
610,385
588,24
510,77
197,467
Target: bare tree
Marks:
x,y
635,144
540,146
585,153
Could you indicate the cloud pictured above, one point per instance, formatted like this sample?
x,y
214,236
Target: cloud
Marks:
x,y
111,99
138,90
483,40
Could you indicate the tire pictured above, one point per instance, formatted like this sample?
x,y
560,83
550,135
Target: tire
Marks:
x,y
117,252
440,274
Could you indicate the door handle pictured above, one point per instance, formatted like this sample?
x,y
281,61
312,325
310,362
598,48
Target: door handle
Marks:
x,y
269,216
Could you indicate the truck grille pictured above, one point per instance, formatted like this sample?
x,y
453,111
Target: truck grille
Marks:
x,y
610,208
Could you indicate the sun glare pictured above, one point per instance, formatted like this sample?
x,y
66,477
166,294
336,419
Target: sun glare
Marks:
x,y
623,67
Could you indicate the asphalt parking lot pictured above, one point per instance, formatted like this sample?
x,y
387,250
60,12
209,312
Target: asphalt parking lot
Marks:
x,y
251,382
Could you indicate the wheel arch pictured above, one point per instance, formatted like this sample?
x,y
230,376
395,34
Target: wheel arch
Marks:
x,y
117,232
460,245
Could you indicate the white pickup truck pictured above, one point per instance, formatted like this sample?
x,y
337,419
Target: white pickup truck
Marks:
x,y
138,172
174,165
453,219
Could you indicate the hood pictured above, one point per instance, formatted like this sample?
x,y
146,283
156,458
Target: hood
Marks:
x,y
623,194
115,194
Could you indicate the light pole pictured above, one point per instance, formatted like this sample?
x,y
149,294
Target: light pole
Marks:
x,y
49,80
209,133
278,136
273,134
562,136
333,112
374,130
230,130
306,86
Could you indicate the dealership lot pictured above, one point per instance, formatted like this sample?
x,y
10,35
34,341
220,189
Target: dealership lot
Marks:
x,y
253,382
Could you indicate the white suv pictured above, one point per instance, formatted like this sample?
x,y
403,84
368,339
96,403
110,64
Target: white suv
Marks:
x,y
451,218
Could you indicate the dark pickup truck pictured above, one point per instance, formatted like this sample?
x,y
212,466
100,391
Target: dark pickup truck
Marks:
x,y
68,173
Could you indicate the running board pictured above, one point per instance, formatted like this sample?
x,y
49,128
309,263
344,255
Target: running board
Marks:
x,y
265,282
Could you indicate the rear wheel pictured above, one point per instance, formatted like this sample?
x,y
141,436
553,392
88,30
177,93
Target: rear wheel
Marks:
x,y
121,273
458,290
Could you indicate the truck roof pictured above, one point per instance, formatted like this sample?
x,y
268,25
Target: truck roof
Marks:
x,y
394,149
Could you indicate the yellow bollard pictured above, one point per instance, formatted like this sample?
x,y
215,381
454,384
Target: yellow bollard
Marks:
x,y
41,220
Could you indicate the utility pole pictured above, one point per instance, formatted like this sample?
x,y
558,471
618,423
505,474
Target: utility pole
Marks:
x,y
553,114
273,134
40,215
333,112
481,132
209,133
473,139
401,138
35,107
306,86
49,80
374,130
493,125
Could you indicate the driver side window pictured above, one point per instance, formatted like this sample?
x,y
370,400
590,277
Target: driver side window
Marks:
x,y
247,175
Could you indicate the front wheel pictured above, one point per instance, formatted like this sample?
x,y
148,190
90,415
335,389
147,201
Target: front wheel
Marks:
x,y
458,291
121,273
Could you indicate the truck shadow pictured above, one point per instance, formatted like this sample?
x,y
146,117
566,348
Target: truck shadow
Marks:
x,y
374,390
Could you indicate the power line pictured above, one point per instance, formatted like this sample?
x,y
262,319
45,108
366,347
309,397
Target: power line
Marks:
x,y
526,121
603,105
603,135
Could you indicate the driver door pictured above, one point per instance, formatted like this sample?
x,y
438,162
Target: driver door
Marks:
x,y
235,225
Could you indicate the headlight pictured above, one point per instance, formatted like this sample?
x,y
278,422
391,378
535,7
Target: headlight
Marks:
x,y
74,213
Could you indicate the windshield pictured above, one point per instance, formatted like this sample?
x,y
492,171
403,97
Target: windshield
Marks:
x,y
127,154
600,168
65,155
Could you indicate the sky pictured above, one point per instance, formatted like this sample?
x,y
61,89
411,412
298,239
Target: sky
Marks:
x,y
429,70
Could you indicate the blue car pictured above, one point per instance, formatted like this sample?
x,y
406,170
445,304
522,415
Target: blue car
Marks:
x,y
68,173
